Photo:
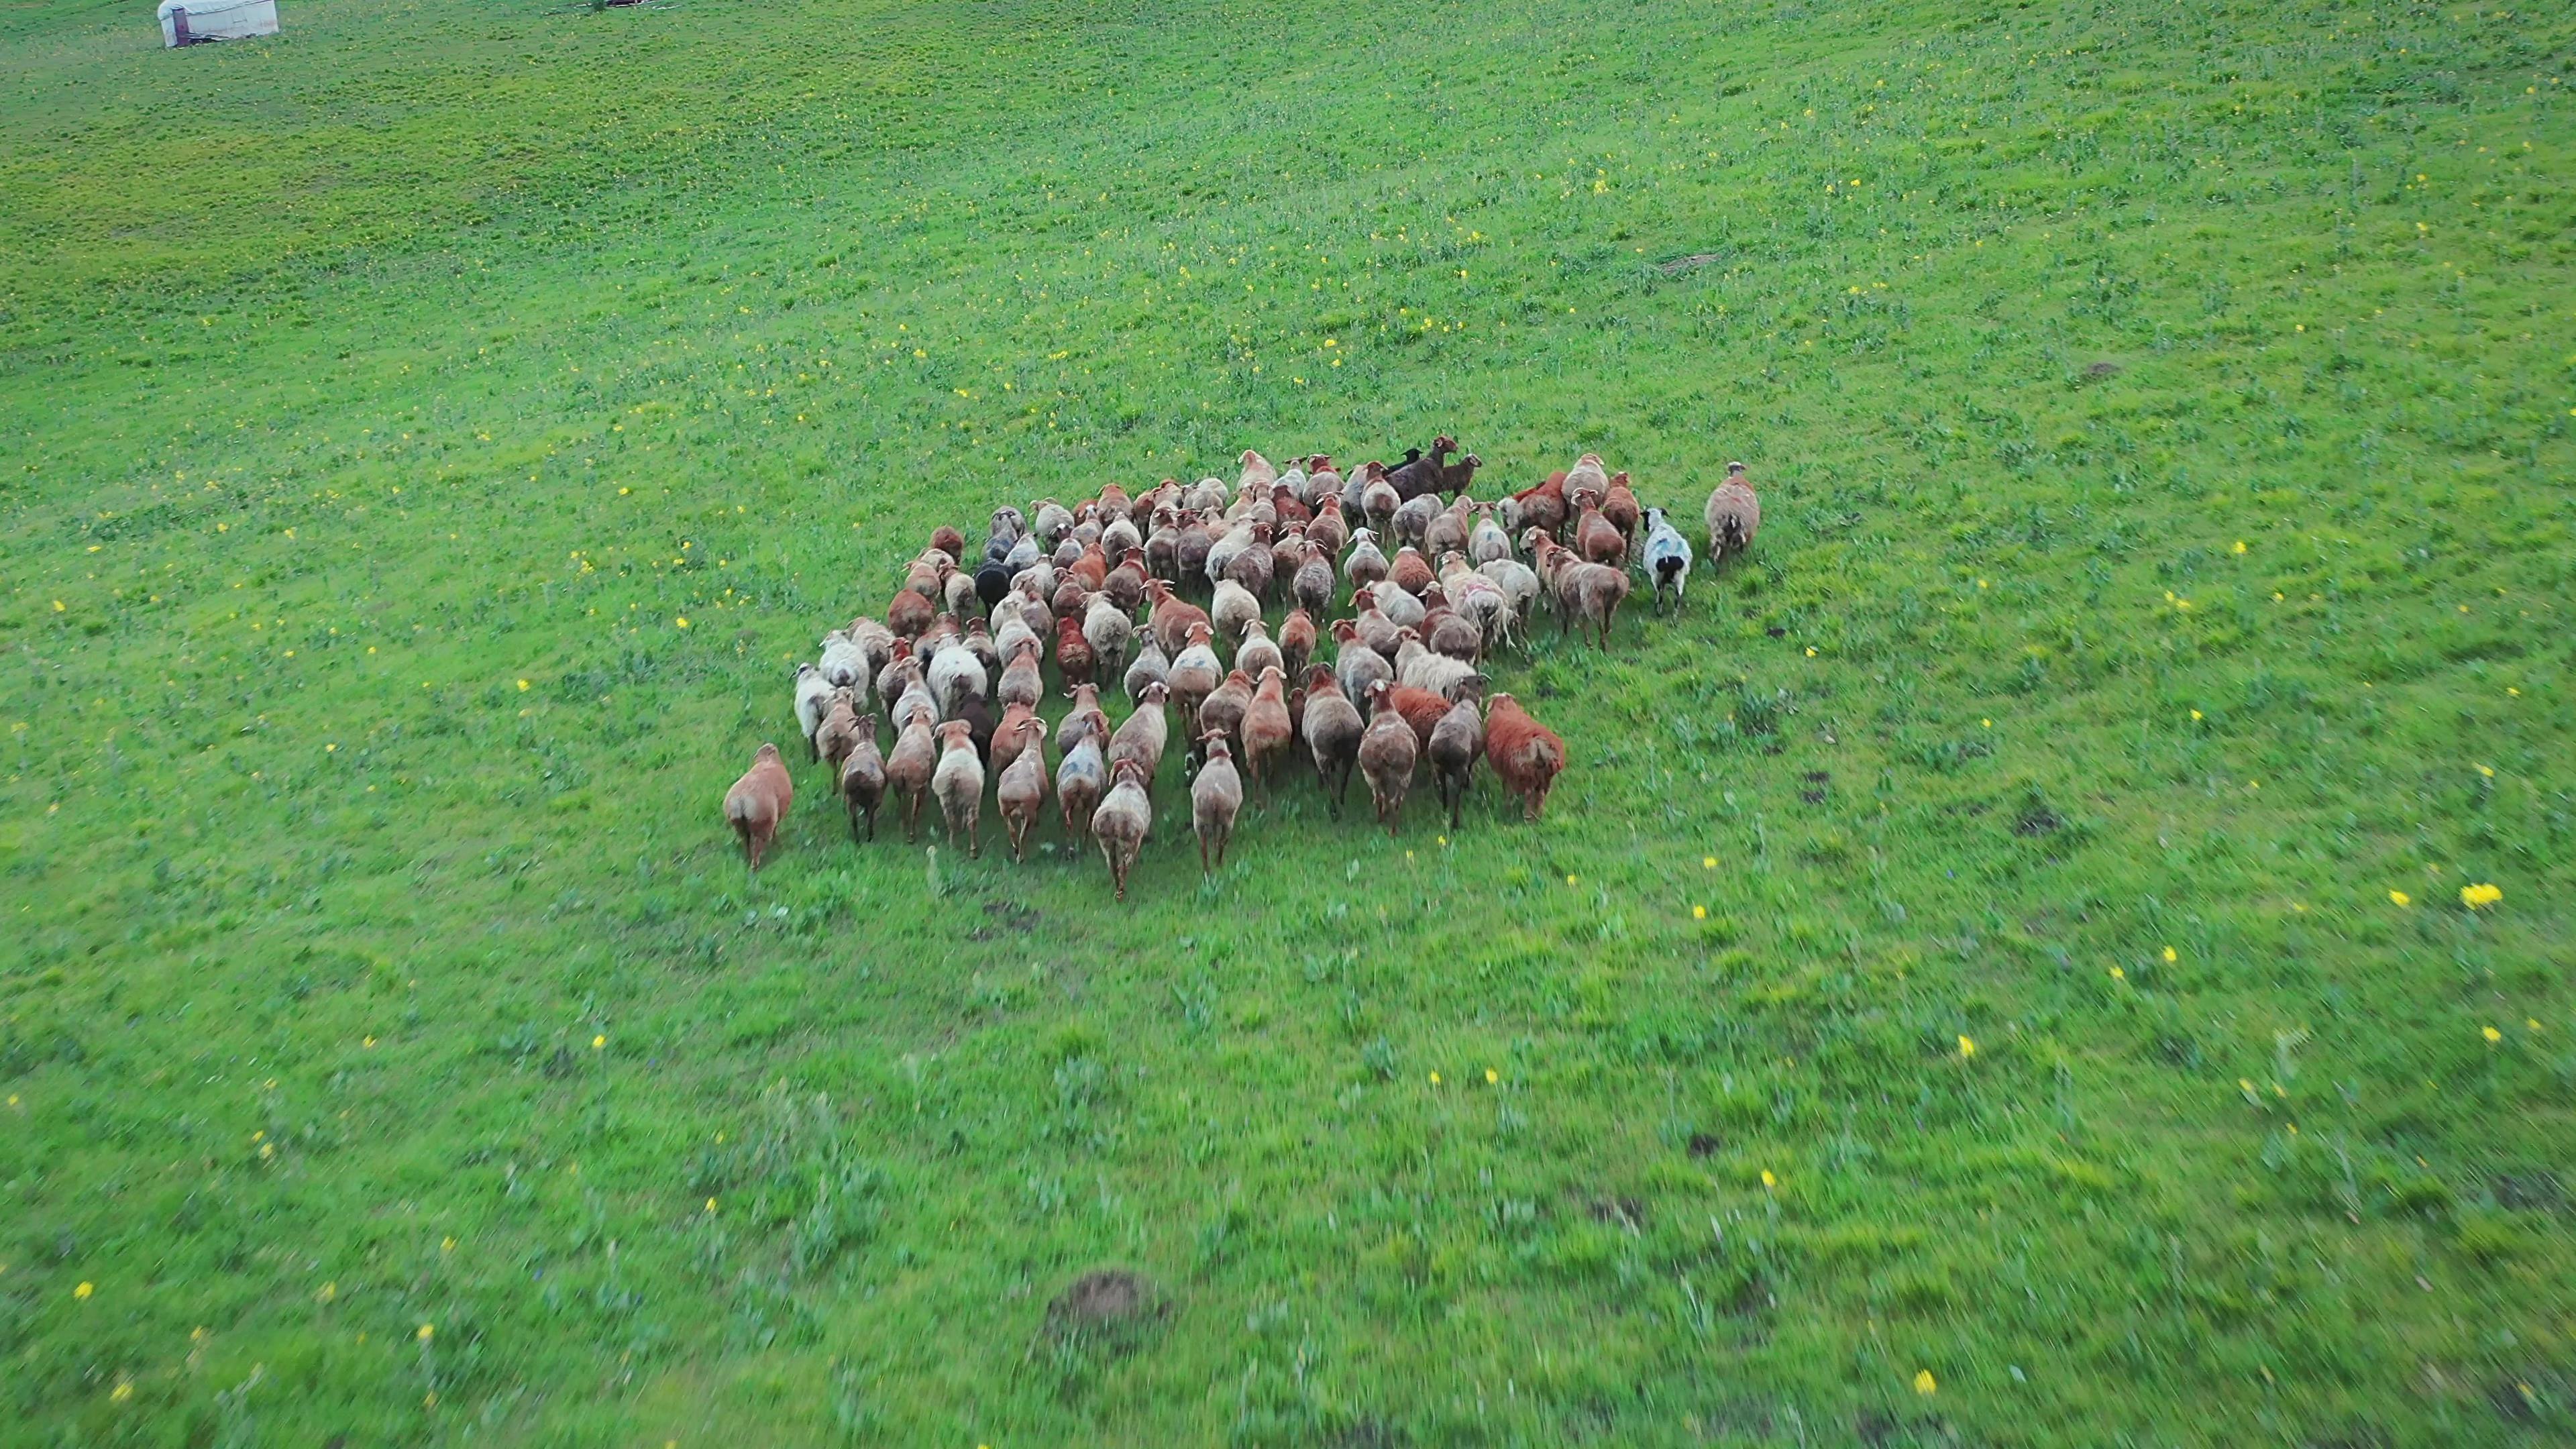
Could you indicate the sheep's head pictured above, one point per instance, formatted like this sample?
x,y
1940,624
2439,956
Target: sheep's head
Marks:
x,y
1155,693
767,752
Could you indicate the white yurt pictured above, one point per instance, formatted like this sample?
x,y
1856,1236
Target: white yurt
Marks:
x,y
185,22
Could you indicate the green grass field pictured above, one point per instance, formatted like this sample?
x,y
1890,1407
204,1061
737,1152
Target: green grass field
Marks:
x,y
2161,614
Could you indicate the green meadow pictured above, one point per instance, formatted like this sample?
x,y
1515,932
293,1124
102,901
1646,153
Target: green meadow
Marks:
x,y
1995,970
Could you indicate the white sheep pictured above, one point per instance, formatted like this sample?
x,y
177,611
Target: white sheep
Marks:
x,y
1667,557
813,698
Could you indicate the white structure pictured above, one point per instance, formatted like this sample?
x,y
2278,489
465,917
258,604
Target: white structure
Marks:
x,y
185,22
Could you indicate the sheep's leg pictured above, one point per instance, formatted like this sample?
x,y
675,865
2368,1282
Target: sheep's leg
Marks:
x,y
974,835
853,807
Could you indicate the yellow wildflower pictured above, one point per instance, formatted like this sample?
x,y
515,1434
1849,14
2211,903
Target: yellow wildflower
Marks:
x,y
2401,898
1924,1383
1967,1046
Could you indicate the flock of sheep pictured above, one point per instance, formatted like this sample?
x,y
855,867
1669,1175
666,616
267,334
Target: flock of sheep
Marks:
x,y
960,640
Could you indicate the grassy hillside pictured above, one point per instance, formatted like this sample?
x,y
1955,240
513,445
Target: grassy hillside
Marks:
x,y
1995,971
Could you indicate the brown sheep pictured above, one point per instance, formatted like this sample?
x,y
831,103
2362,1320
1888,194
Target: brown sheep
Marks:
x,y
1008,734
1411,572
1074,655
1222,710
1121,822
1542,507
1388,749
839,732
1216,796
1733,514
758,801
1021,792
958,781
863,779
1527,755
908,770
1171,619
1332,726
1296,641
1599,540
1620,506
1267,728
909,613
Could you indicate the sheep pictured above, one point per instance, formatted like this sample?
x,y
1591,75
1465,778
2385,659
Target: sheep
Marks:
x,y
899,674
1619,506
1221,553
1086,716
1051,520
1011,628
1542,507
1021,792
1142,736
947,540
1079,783
1450,632
955,675
1296,642
1106,630
1268,729
1009,734
1364,565
957,589
908,770
1257,473
958,781
1388,749
1172,619
813,698
1328,530
1091,566
992,582
1434,673
1733,513
1520,586
1256,567
1422,710
1163,546
863,779
908,613
844,662
1589,591
1488,542
916,702
1311,585
1455,743
1667,558
1376,630
1216,797
1021,683
1024,556
1120,538
1527,755
1448,531
1410,572
1598,540
1477,598
1586,483
1195,672
1190,548
1257,652
839,733
1122,820
1332,726
1113,503
1355,665
1323,481
1222,710
1125,584
758,801
1379,499
1074,656
1401,608
1414,516
1230,609
1149,667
